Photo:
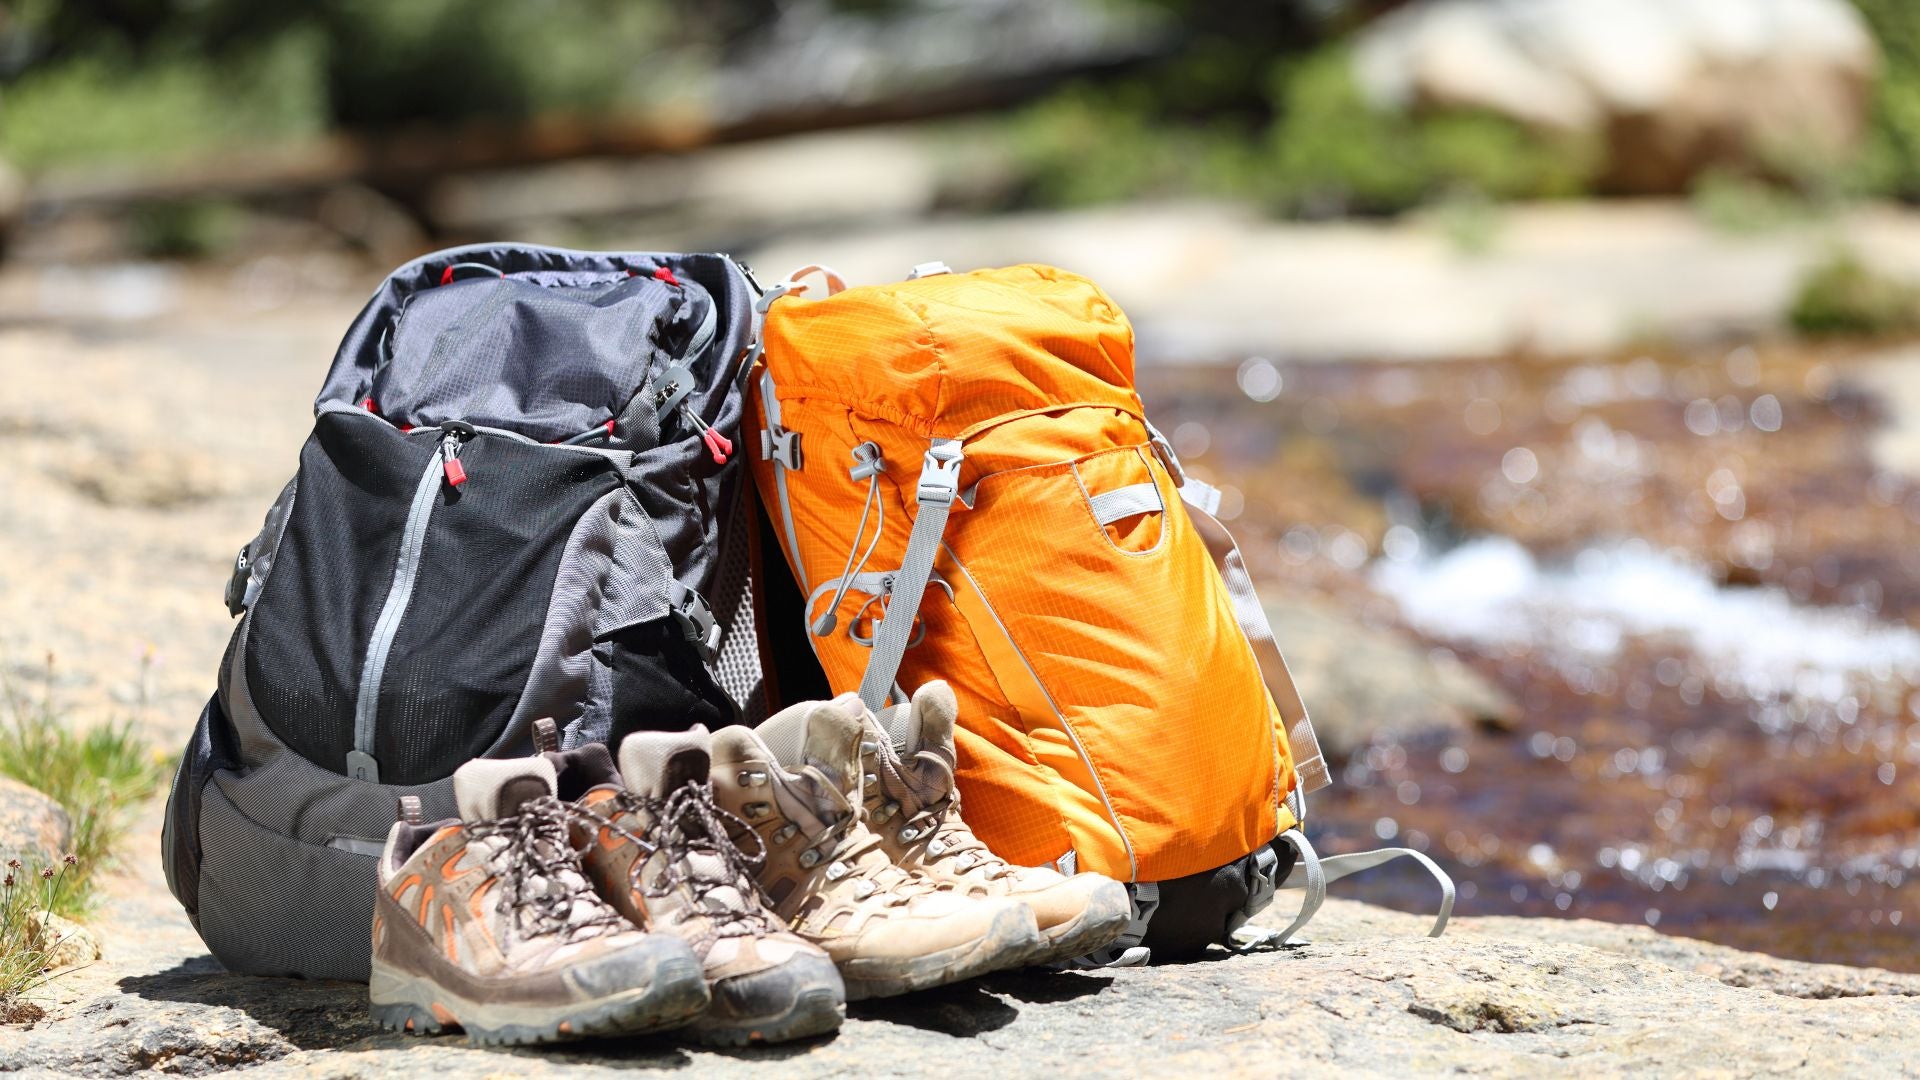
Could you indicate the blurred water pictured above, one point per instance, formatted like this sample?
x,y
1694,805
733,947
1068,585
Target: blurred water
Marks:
x,y
1492,592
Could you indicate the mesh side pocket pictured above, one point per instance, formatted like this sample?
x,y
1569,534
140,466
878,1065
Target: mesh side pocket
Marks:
x,y
270,905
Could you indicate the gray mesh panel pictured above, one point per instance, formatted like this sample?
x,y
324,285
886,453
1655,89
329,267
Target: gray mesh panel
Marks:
x,y
737,669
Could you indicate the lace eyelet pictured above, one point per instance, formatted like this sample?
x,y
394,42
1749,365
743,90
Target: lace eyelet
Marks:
x,y
809,858
785,833
909,834
936,848
757,809
751,778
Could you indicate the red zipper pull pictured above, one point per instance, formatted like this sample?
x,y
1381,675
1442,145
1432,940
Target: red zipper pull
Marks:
x,y
452,432
717,444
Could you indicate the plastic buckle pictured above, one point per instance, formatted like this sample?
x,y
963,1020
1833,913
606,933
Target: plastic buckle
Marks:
x,y
696,621
929,269
236,595
781,445
867,461
1163,450
773,293
940,473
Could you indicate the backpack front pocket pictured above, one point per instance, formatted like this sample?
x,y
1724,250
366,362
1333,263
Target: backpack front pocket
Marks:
x,y
397,631
1112,622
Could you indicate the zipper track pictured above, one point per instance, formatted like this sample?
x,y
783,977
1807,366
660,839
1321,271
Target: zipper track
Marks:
x,y
366,706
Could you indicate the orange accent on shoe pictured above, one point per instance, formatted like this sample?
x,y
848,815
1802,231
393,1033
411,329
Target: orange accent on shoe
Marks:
x,y
426,897
448,873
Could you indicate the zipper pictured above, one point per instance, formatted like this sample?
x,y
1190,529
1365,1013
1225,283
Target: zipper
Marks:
x,y
443,468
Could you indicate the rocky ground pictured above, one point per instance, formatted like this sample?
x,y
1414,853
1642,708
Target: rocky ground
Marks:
x,y
138,450
1496,996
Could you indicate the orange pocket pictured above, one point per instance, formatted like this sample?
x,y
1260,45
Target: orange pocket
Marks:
x,y
1118,628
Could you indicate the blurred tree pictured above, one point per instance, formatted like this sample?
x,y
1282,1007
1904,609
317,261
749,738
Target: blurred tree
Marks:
x,y
1892,160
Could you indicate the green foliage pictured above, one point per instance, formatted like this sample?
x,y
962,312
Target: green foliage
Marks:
x,y
177,78
1844,296
105,106
1740,204
1891,162
100,775
1086,146
1332,152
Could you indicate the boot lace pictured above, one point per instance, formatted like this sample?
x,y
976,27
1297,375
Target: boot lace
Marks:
x,y
935,827
702,857
546,892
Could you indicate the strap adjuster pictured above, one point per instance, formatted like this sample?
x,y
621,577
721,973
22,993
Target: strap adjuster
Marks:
x,y
696,620
674,386
782,446
940,473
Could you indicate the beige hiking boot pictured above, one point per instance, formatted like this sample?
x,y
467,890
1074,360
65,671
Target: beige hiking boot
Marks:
x,y
487,923
914,807
795,780
662,855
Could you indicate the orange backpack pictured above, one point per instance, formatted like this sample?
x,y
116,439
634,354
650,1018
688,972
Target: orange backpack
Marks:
x,y
965,455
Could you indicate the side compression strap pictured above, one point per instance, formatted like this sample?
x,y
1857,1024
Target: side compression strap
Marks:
x,y
1312,874
939,484
1309,766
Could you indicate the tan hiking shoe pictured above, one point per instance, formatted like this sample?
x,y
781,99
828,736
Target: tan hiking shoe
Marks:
x,y
487,923
796,781
914,807
662,855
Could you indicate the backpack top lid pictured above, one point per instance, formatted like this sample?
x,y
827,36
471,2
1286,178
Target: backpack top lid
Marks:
x,y
546,342
949,355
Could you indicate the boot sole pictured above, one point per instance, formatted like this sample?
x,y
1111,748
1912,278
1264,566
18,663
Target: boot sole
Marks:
x,y
1107,914
1010,938
814,1012
414,1004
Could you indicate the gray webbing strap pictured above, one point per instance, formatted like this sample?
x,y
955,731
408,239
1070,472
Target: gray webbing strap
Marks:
x,y
939,483
1312,874
1309,873
1308,763
1111,506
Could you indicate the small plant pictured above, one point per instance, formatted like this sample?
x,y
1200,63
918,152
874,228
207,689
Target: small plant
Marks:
x,y
1845,296
27,948
99,775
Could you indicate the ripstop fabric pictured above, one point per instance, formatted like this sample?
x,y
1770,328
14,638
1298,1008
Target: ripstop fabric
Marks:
x,y
1113,716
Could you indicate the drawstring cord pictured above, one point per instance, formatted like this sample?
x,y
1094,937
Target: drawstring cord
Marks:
x,y
867,466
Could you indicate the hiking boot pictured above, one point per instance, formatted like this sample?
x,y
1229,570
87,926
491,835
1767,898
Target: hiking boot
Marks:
x,y
914,807
795,781
659,851
487,923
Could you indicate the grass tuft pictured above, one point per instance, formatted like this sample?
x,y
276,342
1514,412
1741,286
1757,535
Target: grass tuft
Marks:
x,y
100,775
27,896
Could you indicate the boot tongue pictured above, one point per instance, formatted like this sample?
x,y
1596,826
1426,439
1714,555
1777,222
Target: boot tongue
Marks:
x,y
924,724
658,763
832,743
489,788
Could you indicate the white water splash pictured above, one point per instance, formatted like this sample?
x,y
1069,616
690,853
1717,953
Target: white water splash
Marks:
x,y
1492,592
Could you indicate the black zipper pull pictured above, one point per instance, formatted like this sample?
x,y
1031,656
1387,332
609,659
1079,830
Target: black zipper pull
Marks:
x,y
452,433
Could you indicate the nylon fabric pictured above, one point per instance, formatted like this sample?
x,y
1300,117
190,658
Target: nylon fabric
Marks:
x,y
1109,703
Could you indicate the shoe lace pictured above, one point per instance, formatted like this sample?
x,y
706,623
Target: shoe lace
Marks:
x,y
935,827
546,891
702,857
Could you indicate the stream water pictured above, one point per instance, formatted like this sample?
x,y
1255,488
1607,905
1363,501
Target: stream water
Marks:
x,y
1704,625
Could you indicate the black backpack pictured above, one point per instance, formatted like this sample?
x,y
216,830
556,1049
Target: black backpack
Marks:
x,y
517,502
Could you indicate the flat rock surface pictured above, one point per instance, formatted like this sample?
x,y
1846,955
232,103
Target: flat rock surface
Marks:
x,y
1495,996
